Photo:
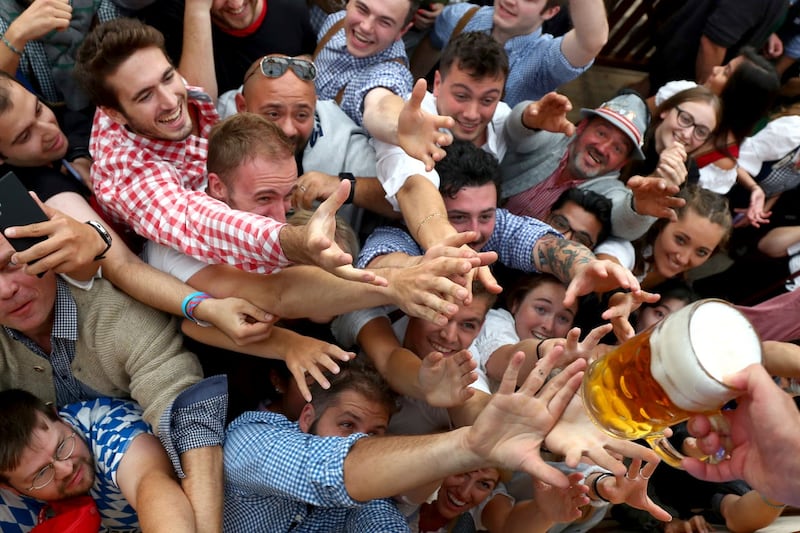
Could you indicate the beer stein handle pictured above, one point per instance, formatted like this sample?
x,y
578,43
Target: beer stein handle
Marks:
x,y
664,449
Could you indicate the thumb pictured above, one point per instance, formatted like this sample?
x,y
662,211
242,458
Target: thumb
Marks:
x,y
418,93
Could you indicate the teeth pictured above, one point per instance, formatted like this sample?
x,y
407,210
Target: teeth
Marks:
x,y
171,117
455,501
440,348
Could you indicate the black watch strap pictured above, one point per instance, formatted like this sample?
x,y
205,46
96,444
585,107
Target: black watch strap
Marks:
x,y
101,230
352,179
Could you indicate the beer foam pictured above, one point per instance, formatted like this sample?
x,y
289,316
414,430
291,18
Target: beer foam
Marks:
x,y
695,348
723,339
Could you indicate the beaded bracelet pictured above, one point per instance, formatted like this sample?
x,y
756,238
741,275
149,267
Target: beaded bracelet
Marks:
x,y
11,46
596,481
191,302
426,219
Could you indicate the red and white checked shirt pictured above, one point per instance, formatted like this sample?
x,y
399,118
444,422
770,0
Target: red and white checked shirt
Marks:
x,y
158,188
537,201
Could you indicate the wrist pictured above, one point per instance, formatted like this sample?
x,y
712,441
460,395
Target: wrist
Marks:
x,y
190,305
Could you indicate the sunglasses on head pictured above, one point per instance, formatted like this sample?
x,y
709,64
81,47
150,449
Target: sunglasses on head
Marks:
x,y
276,66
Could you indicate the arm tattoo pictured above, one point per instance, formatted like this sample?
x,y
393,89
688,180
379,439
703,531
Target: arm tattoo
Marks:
x,y
560,257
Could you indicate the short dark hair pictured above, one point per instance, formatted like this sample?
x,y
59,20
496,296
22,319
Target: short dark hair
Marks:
x,y
359,375
19,418
239,138
594,203
105,48
466,165
6,80
477,53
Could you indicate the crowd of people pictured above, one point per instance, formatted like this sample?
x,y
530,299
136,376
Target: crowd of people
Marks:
x,y
281,285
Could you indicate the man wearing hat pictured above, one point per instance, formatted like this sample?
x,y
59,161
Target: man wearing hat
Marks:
x,y
546,164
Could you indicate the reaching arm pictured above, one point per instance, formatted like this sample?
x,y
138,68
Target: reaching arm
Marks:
x,y
589,32
197,56
391,120
709,55
146,479
575,264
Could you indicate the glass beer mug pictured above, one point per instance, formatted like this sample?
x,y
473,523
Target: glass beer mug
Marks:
x,y
666,374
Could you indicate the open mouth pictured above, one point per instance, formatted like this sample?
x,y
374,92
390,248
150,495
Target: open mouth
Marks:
x,y
455,502
173,117
443,349
539,336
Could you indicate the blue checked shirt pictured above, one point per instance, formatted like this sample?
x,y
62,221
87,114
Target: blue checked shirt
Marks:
x,y
108,426
278,479
513,239
337,68
536,63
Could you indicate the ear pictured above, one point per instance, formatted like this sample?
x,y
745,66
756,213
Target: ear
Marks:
x,y
241,105
549,13
307,417
404,30
115,115
216,188
437,81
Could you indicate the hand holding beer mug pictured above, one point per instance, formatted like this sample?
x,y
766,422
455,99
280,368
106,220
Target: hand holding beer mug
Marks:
x,y
666,374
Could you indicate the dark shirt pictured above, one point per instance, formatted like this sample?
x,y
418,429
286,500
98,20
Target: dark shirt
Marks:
x,y
285,30
46,182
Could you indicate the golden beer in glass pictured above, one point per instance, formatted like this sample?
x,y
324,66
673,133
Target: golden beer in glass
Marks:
x,y
666,374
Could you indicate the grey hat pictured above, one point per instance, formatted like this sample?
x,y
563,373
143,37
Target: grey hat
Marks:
x,y
629,113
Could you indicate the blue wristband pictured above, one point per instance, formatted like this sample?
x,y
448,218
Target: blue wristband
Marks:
x,y
191,302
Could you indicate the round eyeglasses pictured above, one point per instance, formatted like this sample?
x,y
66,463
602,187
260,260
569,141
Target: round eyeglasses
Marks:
x,y
63,452
686,120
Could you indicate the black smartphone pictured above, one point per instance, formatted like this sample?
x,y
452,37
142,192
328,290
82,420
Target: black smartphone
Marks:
x,y
17,208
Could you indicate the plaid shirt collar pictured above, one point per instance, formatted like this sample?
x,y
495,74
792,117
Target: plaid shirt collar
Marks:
x,y
65,316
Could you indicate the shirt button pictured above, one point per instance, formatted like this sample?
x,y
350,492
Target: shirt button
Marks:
x,y
38,369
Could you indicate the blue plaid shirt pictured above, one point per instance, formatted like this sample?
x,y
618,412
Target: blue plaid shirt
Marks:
x,y
536,63
513,239
278,478
337,68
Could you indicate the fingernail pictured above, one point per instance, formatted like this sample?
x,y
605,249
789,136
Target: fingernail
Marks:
x,y
11,232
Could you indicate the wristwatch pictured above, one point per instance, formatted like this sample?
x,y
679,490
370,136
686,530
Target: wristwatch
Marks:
x,y
352,179
103,232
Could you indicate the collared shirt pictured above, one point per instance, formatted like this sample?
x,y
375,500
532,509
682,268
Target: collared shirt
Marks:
x,y
158,188
278,478
108,426
337,68
513,239
62,339
537,201
536,63
395,165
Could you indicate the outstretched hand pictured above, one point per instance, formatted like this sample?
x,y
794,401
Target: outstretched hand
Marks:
x,y
510,430
575,436
655,197
631,488
240,320
446,381
599,275
620,307
550,114
419,132
321,246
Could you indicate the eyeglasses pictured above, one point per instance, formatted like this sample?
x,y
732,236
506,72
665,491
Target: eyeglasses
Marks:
x,y
276,66
48,473
561,224
686,120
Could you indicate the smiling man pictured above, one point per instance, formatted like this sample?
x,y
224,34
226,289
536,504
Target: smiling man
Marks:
x,y
547,163
361,57
150,148
540,63
102,448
